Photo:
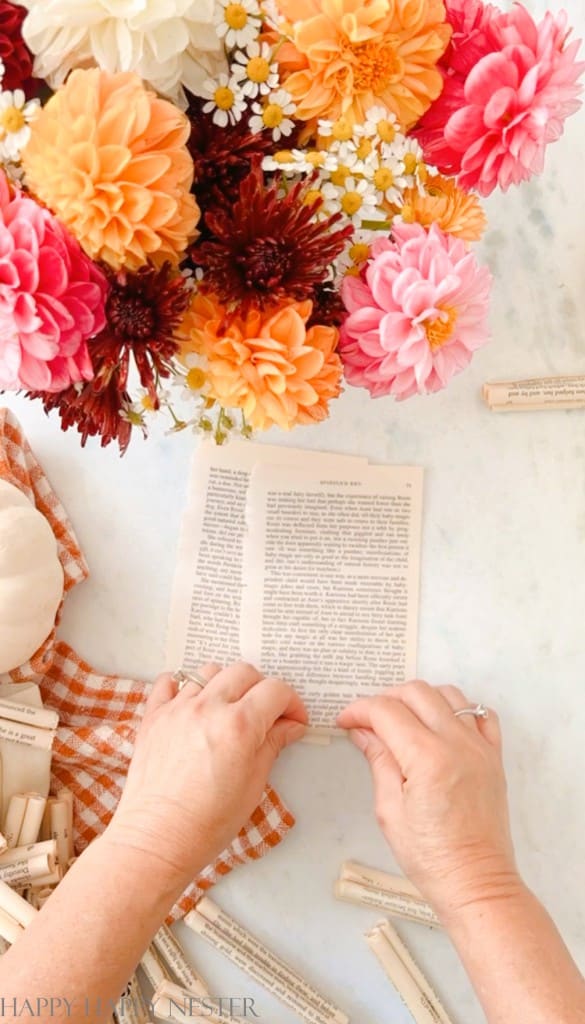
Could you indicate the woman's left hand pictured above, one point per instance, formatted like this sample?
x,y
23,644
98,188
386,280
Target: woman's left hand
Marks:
x,y
201,763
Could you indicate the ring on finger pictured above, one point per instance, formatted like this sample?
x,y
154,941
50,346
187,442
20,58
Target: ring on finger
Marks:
x,y
478,711
181,678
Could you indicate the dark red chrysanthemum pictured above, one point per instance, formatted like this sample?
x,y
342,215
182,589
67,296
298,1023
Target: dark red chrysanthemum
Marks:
x,y
144,310
267,246
222,156
14,52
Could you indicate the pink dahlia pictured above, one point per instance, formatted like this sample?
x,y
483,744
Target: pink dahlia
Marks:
x,y
52,298
497,120
417,314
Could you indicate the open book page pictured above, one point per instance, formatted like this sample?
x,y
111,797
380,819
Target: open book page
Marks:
x,y
331,570
204,622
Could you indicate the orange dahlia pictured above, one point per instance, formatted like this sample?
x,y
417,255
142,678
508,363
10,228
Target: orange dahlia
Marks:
x,y
457,212
110,159
358,53
268,364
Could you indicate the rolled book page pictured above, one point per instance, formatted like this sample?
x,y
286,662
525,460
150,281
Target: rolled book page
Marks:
x,y
269,970
411,995
152,967
51,878
536,394
131,1007
393,939
27,870
27,714
212,912
18,853
172,1002
59,826
16,906
3,842
171,953
14,819
393,903
26,735
10,930
67,796
376,879
33,818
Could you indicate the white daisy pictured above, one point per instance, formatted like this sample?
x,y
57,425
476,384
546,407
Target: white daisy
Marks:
x,y
388,178
255,70
354,256
382,124
238,22
226,100
15,118
275,115
356,199
271,14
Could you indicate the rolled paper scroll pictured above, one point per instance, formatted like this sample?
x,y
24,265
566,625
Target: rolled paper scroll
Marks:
x,y
535,395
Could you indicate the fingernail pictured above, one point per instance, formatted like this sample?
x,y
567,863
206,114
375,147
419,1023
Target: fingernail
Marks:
x,y
360,739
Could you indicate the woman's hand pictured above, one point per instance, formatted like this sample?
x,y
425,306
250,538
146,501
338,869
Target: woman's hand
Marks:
x,y
201,762
440,791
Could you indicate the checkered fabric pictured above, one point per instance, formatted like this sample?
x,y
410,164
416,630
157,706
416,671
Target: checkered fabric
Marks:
x,y
99,714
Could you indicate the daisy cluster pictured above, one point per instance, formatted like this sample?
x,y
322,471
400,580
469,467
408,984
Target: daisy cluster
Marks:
x,y
228,209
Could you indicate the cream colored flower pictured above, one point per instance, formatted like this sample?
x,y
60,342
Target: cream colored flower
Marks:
x,y
171,44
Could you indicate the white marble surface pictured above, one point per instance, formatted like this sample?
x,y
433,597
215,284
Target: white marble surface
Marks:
x,y
502,603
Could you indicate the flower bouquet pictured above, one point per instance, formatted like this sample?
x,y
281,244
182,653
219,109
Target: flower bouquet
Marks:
x,y
223,209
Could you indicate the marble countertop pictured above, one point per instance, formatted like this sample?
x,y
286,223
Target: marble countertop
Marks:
x,y
502,604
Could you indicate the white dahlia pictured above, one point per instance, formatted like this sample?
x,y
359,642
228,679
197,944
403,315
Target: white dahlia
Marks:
x,y
171,44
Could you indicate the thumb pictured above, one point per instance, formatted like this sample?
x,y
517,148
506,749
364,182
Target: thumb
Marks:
x,y
283,734
385,770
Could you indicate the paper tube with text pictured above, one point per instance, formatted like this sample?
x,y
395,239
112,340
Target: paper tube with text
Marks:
x,y
26,735
392,893
131,1007
171,1002
226,935
16,906
33,818
10,930
152,967
413,988
537,394
171,953
27,714
14,819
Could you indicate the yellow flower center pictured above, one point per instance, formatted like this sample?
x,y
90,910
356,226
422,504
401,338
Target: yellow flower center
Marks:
x,y
359,252
147,403
410,163
12,119
224,98
312,196
352,272
407,213
258,70
273,115
375,65
195,379
236,16
364,149
441,329
386,131
383,179
352,203
338,177
284,156
422,171
342,130
315,158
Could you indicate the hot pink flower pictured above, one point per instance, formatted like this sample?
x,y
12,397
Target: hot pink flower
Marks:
x,y
52,298
416,316
497,120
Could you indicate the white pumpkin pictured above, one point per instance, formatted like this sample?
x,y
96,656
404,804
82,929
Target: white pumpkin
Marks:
x,y
31,578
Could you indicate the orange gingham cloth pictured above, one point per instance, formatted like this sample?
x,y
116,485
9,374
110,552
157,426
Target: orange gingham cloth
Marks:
x,y
99,714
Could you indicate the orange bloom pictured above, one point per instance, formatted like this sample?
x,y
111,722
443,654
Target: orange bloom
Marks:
x,y
267,364
457,212
109,158
358,53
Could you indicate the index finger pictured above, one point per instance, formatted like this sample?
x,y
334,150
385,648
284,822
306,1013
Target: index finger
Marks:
x,y
271,699
395,724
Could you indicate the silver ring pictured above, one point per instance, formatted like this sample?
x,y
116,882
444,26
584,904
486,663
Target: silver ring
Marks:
x,y
182,678
479,711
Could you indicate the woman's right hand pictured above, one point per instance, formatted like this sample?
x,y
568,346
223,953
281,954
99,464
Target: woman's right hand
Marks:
x,y
440,792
